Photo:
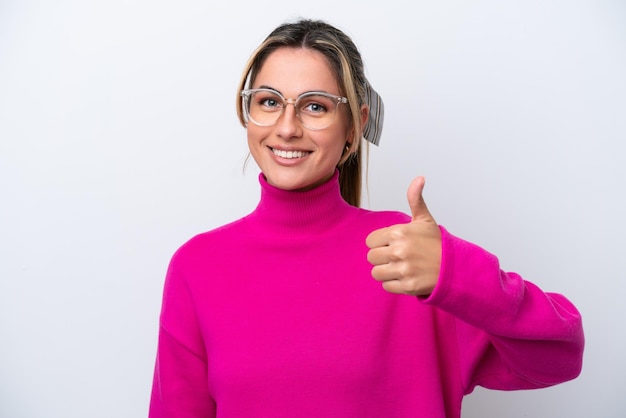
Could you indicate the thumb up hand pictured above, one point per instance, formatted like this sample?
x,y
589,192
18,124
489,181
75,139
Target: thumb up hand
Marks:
x,y
407,257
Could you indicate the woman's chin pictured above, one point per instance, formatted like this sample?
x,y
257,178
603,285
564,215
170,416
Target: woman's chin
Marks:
x,y
291,182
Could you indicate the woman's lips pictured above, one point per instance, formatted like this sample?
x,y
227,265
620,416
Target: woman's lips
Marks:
x,y
289,154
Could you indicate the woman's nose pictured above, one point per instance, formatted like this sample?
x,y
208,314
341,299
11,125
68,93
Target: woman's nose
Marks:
x,y
288,124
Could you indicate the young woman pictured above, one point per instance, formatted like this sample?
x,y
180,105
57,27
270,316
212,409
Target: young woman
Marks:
x,y
312,307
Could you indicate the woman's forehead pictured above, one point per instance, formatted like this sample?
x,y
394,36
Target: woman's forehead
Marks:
x,y
293,71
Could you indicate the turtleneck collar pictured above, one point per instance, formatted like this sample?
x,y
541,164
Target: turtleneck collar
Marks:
x,y
310,212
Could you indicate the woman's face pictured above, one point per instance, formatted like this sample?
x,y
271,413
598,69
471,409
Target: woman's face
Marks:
x,y
291,156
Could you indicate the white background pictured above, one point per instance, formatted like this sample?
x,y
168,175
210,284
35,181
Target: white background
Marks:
x,y
118,141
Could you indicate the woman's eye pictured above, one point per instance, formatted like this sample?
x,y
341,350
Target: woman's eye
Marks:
x,y
314,107
270,102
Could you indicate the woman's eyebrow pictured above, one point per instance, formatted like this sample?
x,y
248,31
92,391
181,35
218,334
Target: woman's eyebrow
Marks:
x,y
265,86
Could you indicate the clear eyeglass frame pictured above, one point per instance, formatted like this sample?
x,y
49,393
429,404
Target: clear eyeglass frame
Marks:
x,y
247,94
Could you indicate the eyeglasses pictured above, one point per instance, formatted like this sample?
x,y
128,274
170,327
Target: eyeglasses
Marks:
x,y
316,110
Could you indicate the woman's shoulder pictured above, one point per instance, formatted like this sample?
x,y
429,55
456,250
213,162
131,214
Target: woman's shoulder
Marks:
x,y
213,239
383,218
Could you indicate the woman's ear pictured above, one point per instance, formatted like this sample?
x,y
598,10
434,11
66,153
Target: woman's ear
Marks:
x,y
365,114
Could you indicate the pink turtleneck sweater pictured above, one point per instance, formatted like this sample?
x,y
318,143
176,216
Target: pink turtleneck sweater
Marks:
x,y
277,315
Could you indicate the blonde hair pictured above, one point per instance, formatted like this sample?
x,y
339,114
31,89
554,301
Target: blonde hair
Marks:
x,y
345,61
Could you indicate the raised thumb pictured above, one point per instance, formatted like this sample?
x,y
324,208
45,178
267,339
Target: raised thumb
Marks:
x,y
416,199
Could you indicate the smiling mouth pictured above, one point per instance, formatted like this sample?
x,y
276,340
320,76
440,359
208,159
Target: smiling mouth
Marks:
x,y
289,154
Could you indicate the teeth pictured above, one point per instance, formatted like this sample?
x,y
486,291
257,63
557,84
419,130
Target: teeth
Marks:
x,y
289,154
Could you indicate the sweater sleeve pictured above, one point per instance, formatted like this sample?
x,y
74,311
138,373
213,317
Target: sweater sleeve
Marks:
x,y
180,385
511,334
